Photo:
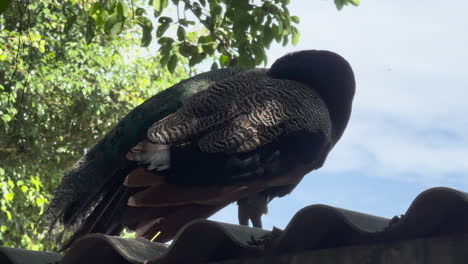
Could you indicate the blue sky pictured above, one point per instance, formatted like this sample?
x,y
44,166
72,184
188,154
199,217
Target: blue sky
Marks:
x,y
409,127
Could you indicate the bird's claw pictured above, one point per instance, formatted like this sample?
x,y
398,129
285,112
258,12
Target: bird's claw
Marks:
x,y
266,241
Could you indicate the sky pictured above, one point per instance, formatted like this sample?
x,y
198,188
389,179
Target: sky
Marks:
x,y
409,127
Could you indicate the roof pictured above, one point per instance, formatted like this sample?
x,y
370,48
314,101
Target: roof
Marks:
x,y
434,213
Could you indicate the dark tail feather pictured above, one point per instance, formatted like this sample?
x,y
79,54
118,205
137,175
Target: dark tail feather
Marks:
x,y
104,215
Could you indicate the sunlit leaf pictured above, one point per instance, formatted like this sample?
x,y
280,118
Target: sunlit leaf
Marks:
x,y
6,118
295,36
9,196
122,9
114,25
295,19
223,60
159,5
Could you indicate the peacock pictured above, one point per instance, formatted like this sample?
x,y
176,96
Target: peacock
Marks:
x,y
223,136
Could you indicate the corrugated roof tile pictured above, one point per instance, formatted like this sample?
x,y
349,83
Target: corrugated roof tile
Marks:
x,y
435,212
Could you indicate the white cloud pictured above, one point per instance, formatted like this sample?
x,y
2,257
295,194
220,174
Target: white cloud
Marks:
x,y
411,65
382,148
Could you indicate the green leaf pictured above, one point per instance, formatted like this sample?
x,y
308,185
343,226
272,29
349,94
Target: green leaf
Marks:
x,y
156,14
4,5
213,2
114,25
214,66
181,33
194,60
295,19
184,49
7,213
277,34
159,5
109,5
165,3
94,8
9,196
268,36
70,21
223,60
147,27
339,4
165,22
164,59
165,19
39,201
295,36
146,38
140,11
205,39
209,49
162,29
6,118
286,25
216,15
280,26
259,54
196,10
90,30
171,65
36,183
101,17
166,41
285,41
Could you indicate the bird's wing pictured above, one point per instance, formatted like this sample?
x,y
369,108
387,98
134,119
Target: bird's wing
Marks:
x,y
233,116
244,113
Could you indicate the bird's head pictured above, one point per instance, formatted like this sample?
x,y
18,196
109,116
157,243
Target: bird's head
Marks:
x,y
326,72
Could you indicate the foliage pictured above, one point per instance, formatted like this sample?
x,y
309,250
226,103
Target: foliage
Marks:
x,y
59,95
236,31
69,70
341,3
